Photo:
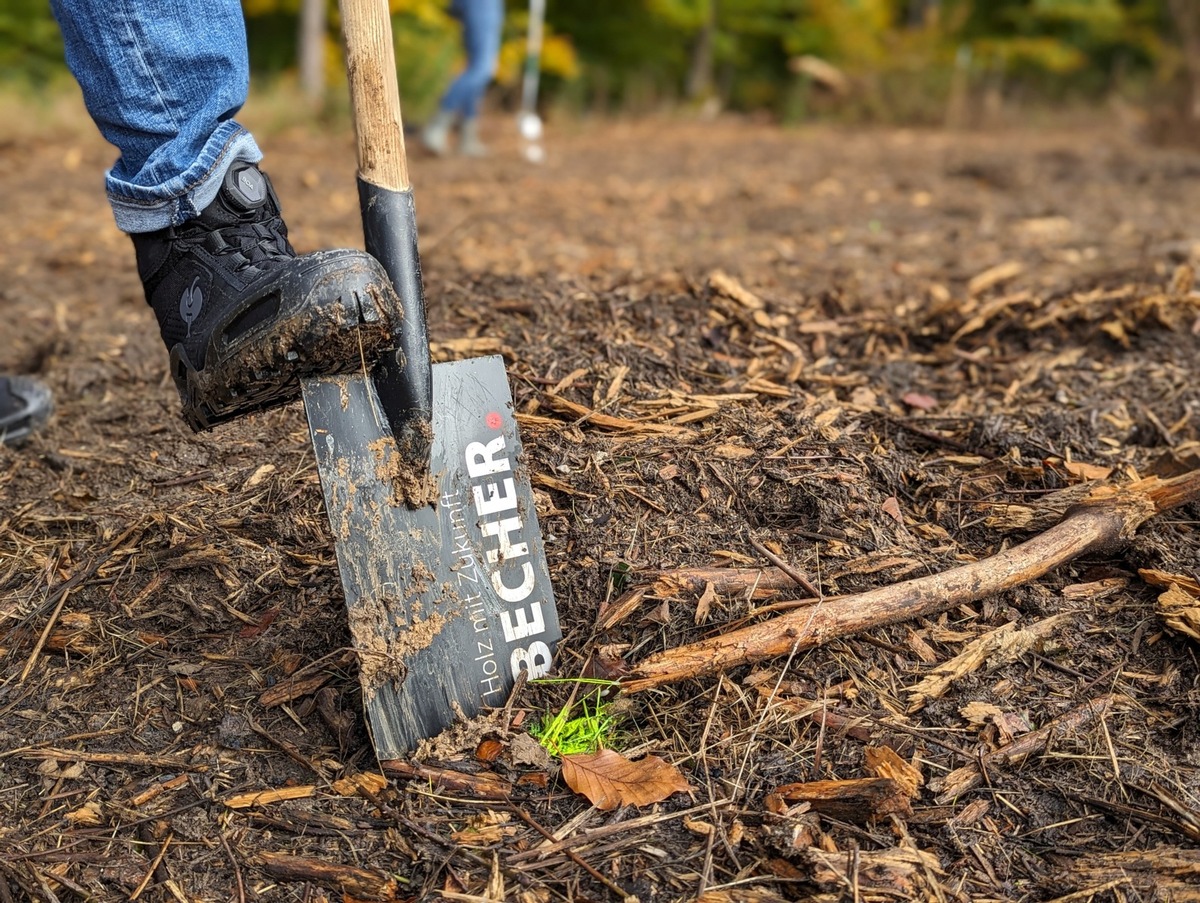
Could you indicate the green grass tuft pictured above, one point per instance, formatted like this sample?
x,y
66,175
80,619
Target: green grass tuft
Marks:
x,y
580,727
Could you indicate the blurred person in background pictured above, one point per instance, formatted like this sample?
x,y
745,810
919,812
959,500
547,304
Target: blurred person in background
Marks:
x,y
482,22
243,317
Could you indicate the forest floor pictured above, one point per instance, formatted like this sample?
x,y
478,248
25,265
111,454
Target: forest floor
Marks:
x,y
872,355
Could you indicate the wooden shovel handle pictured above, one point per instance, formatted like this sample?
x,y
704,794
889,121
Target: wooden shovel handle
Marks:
x,y
374,93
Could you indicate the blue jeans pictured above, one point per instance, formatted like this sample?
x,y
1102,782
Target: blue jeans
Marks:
x,y
163,80
482,21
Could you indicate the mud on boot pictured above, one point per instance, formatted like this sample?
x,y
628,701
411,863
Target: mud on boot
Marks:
x,y
244,318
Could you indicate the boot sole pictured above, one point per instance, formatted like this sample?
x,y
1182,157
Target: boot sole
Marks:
x,y
256,360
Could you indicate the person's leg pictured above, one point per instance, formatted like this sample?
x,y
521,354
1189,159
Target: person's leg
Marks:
x,y
482,23
243,318
163,80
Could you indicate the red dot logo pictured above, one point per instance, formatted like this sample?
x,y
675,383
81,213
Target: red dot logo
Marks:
x,y
493,421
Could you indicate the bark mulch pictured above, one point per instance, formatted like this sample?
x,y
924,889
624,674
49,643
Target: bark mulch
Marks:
x,y
760,372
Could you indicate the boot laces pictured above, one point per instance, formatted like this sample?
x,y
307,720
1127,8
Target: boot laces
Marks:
x,y
255,242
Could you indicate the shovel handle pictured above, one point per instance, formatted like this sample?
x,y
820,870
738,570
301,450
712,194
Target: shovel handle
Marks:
x,y
374,93
404,377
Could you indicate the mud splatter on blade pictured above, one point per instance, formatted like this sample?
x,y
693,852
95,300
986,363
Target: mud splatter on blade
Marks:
x,y
447,603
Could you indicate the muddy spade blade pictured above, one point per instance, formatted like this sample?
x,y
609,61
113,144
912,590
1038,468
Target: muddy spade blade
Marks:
x,y
449,602
432,512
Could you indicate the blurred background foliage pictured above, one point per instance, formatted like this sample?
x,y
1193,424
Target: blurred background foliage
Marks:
x,y
899,61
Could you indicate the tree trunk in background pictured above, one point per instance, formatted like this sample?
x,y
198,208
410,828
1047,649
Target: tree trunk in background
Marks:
x,y
700,73
920,11
311,40
1186,14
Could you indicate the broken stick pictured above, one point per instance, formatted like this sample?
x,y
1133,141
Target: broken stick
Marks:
x,y
1106,518
856,800
349,880
968,777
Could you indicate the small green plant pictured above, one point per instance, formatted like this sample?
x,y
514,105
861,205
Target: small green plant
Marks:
x,y
620,576
582,726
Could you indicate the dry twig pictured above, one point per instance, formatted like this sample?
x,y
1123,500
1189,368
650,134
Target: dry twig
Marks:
x,y
1109,516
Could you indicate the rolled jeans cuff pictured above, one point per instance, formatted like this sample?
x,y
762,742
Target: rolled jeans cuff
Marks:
x,y
146,209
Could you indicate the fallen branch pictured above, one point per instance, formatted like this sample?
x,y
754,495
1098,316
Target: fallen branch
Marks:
x,y
308,679
349,880
485,786
959,781
856,800
1163,873
1108,517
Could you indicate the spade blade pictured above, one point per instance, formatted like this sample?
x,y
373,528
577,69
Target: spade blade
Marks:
x,y
448,602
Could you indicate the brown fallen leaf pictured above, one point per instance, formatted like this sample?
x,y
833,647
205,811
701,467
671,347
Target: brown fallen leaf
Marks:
x,y
891,507
919,401
609,780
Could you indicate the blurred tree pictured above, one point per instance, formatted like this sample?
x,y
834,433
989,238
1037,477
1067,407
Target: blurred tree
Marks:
x,y
1061,38
899,55
30,44
311,39
1186,15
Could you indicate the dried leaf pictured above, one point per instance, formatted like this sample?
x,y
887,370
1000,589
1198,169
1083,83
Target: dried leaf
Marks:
x,y
919,401
891,508
49,768
526,750
609,780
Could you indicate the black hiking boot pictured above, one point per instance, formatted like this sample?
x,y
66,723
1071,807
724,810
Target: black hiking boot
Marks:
x,y
244,318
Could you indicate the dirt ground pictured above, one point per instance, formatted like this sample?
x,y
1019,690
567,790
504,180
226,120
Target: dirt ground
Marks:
x,y
871,355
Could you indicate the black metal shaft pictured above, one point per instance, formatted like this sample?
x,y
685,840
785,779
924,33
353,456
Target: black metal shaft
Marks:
x,y
404,377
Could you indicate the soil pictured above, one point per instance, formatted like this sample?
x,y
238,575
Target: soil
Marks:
x,y
872,353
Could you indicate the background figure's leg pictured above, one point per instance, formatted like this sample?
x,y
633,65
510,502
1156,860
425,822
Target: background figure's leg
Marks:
x,y
482,23
163,80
